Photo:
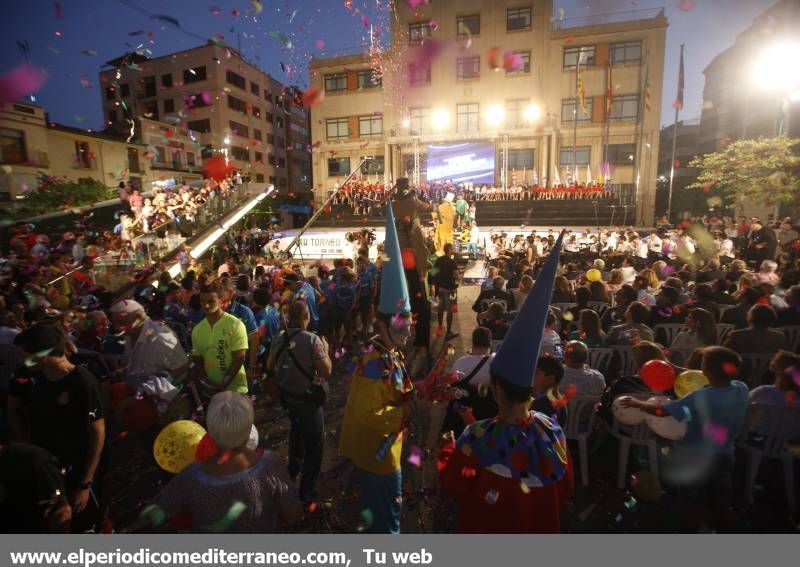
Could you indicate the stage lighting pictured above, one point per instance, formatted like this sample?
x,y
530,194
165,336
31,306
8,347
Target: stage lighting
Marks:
x,y
226,141
440,119
533,113
495,115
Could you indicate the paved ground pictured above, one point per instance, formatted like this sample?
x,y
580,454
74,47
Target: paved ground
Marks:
x,y
598,508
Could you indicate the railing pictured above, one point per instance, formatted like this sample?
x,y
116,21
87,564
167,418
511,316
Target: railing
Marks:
x,y
342,52
604,19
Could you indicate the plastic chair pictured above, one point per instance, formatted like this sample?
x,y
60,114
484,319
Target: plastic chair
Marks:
x,y
628,435
600,306
755,367
723,329
723,309
626,363
496,345
778,424
792,333
679,356
562,307
580,424
667,332
600,358
485,303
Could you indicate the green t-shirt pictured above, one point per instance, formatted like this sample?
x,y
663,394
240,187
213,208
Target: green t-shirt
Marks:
x,y
461,207
216,346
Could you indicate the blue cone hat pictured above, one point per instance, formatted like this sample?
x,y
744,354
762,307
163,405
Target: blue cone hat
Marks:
x,y
394,287
516,360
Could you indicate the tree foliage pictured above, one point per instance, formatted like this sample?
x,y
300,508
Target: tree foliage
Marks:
x,y
764,171
58,194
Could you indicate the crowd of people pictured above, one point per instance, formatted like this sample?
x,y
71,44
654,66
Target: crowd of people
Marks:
x,y
256,328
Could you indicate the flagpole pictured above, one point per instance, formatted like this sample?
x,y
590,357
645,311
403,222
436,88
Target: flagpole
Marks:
x,y
640,136
608,115
575,125
675,140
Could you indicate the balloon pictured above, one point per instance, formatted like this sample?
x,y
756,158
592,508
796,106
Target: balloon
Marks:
x,y
206,448
120,391
658,375
667,427
176,445
689,381
646,486
312,97
139,415
627,416
594,275
216,168
495,58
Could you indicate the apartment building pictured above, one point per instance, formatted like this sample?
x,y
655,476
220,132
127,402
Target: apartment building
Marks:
x,y
444,82
229,105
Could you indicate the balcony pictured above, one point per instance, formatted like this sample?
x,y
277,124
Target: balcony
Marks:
x,y
606,19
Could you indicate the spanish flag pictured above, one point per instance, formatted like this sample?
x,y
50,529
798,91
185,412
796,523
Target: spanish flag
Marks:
x,y
609,92
582,92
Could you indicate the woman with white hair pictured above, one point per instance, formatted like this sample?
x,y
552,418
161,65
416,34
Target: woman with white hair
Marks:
x,y
767,273
235,473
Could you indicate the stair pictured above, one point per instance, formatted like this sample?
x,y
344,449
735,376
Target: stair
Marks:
x,y
553,213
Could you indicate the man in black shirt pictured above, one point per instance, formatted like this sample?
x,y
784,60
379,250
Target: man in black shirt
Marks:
x,y
445,277
761,245
56,405
494,293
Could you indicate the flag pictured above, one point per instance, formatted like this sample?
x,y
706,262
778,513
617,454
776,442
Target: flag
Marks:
x,y
678,104
609,92
514,176
588,175
647,97
557,177
581,93
535,177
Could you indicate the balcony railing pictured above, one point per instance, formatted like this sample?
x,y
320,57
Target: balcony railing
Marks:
x,y
612,18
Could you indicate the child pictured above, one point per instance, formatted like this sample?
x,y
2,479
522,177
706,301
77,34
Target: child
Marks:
x,y
702,462
549,372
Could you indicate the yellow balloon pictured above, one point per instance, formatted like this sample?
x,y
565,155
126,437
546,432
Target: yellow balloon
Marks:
x,y
175,446
594,275
689,381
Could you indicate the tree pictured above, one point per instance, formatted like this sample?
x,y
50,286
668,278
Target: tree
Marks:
x,y
764,171
58,194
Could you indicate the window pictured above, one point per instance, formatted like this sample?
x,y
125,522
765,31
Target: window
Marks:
x,y
282,182
239,129
241,154
133,160
568,110
368,80
468,67
82,155
259,178
336,82
526,64
519,159
419,121
201,126
627,53
197,100
161,155
111,93
518,19
515,113
337,128
169,105
269,117
581,156
166,80
468,25
281,162
272,179
267,95
621,154
256,134
151,110
338,167
418,32
235,79
419,73
571,55
148,86
373,166
236,104
279,123
254,88
190,159
280,142
125,90
12,146
259,157
112,115
467,117
256,111
271,139
271,159
194,74
625,107
206,152
369,126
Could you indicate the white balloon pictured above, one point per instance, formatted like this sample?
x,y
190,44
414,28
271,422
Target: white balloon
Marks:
x,y
627,416
667,427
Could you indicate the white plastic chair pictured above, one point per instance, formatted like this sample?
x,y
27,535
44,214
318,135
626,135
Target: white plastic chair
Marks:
x,y
755,367
599,358
723,329
562,307
485,303
668,332
792,333
600,306
628,435
778,424
580,424
626,363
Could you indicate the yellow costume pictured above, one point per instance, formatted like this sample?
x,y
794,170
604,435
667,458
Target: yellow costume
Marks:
x,y
444,230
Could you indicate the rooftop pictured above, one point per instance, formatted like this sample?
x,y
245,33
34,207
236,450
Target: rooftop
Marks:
x,y
610,18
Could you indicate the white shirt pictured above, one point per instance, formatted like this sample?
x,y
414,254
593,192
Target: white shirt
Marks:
x,y
474,233
725,248
467,363
654,243
642,249
156,350
550,340
628,274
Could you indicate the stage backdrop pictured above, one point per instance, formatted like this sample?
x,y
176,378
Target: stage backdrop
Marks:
x,y
468,161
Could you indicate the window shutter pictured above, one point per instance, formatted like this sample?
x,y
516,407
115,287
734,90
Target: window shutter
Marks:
x,y
353,122
598,108
352,80
601,55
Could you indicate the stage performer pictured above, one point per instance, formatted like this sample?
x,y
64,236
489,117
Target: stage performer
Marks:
x,y
415,255
447,217
512,473
379,401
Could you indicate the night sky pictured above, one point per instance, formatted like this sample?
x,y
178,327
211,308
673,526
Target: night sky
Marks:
x,y
104,29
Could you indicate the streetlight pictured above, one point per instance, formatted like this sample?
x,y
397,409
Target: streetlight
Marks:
x,y
776,70
533,112
495,115
440,119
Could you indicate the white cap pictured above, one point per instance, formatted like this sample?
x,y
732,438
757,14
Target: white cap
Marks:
x,y
126,306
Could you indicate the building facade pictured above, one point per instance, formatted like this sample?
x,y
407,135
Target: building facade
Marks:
x,y
445,83
229,105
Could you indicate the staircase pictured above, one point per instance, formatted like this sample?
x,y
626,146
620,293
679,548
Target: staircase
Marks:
x,y
555,213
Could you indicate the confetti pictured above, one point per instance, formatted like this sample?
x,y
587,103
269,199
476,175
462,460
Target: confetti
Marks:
x,y
716,433
319,44
415,456
367,516
492,496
